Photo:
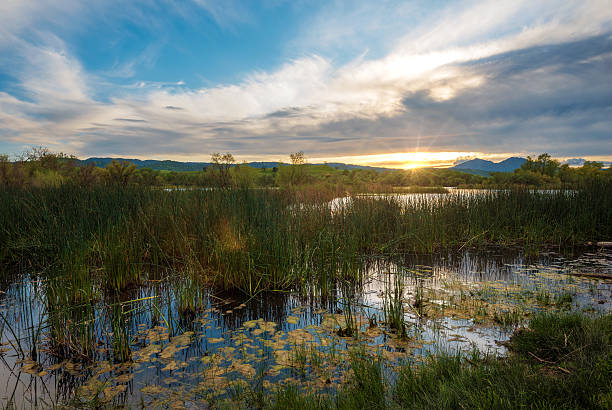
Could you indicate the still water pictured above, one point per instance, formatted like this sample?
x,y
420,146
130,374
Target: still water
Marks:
x,y
450,302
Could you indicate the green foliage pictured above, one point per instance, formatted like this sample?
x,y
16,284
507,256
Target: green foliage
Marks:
x,y
148,177
393,306
244,176
544,172
294,174
252,240
40,167
119,173
544,165
366,388
12,175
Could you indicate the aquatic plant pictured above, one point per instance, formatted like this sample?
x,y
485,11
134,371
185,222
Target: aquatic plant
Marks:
x,y
393,306
93,246
559,361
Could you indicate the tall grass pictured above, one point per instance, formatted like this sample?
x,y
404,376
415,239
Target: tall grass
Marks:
x,y
101,242
255,239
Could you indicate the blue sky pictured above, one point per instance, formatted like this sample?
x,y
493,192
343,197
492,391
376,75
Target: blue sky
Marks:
x,y
360,81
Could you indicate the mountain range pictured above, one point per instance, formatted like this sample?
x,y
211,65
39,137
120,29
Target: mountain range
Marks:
x,y
474,166
483,167
167,165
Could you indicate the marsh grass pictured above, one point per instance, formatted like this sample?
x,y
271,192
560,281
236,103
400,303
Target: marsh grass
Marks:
x,y
91,247
559,361
393,306
507,318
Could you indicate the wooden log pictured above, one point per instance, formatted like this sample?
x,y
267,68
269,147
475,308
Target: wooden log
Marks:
x,y
604,244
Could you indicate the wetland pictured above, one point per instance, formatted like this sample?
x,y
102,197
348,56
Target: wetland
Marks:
x,y
144,298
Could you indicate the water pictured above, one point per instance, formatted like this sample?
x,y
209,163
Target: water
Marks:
x,y
453,301
433,198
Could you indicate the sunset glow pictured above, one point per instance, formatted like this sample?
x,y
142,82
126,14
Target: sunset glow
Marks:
x,y
406,160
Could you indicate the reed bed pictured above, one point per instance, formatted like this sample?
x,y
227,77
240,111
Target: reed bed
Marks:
x,y
255,240
91,249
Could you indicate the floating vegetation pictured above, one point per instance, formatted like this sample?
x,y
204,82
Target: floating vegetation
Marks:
x,y
151,354
200,298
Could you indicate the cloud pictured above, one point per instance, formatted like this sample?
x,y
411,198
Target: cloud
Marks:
x,y
129,120
476,76
227,12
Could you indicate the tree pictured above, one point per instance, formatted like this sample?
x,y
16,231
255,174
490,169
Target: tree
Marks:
x,y
86,175
148,176
221,164
544,164
11,173
297,158
294,174
244,176
120,173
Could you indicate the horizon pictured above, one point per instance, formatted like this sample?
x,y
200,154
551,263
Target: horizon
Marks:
x,y
401,165
394,84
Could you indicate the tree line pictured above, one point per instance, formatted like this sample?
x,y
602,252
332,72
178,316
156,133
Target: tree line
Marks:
x,y
39,167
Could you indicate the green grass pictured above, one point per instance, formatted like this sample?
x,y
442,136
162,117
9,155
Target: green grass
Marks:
x,y
254,240
94,245
561,361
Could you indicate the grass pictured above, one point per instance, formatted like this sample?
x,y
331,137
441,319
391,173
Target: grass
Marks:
x,y
266,239
393,306
93,247
561,361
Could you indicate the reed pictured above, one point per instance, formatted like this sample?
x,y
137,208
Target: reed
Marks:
x,y
393,306
93,246
254,240
559,361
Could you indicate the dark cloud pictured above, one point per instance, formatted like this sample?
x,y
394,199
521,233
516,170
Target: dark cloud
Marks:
x,y
556,98
128,120
287,112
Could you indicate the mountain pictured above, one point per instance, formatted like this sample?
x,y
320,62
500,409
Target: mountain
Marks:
x,y
339,165
483,167
158,165
178,166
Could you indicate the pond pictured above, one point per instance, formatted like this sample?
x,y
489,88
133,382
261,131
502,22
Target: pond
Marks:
x,y
403,309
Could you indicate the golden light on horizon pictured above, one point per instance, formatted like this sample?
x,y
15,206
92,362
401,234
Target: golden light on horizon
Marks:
x,y
405,160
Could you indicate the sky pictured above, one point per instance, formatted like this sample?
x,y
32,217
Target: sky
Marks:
x,y
387,83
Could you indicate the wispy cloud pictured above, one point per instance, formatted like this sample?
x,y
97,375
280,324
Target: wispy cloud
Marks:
x,y
477,76
227,12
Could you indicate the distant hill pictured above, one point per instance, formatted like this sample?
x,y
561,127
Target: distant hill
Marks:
x,y
166,165
158,165
474,172
483,167
339,165
578,162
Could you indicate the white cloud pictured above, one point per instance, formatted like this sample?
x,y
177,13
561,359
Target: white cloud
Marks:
x,y
303,97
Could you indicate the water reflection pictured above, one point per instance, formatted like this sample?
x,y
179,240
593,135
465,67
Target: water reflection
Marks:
x,y
451,301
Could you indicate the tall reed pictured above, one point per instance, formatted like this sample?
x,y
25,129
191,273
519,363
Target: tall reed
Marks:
x,y
97,244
